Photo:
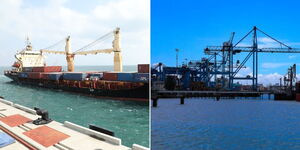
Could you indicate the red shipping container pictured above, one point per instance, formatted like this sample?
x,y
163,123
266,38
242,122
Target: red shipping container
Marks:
x,y
111,76
47,69
34,75
143,68
44,76
298,97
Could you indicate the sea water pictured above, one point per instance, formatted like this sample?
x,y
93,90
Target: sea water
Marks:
x,y
128,120
228,124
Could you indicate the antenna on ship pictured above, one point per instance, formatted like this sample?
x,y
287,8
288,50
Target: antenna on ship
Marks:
x,y
28,44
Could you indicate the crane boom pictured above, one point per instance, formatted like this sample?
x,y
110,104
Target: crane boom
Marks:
x,y
94,52
118,66
52,51
237,49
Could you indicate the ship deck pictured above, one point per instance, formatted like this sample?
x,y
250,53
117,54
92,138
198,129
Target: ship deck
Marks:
x,y
15,120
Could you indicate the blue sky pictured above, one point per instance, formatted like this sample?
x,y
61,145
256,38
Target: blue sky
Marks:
x,y
49,21
192,25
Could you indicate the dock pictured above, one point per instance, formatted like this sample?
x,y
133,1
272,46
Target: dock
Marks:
x,y
16,121
156,95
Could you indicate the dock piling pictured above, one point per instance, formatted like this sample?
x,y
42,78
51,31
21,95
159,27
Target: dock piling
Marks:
x,y
154,102
181,100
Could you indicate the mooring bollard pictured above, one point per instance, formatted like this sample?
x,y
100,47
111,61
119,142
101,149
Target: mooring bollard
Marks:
x,y
218,98
154,103
182,100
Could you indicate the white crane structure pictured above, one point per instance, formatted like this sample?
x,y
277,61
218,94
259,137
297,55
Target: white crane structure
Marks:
x,y
118,66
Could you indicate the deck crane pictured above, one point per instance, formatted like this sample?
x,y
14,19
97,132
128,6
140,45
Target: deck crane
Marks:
x,y
253,51
70,55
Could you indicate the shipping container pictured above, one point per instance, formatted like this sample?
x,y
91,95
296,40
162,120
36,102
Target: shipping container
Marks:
x,y
143,68
55,76
141,77
126,77
47,69
34,75
98,75
75,76
44,76
23,74
111,76
27,69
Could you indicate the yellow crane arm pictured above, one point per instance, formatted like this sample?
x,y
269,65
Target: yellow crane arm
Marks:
x,y
52,51
94,51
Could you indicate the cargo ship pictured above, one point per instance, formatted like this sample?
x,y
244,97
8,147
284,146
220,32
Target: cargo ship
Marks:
x,y
30,68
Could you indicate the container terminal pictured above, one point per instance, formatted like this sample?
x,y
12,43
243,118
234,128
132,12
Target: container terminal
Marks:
x,y
30,68
32,129
217,75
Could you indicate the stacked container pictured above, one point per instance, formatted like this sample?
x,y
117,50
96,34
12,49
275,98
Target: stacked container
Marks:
x,y
75,76
143,68
47,69
44,76
23,75
141,77
129,77
97,75
34,75
27,69
111,76
55,76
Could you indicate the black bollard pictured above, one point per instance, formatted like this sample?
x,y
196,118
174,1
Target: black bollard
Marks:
x,y
218,98
182,100
154,104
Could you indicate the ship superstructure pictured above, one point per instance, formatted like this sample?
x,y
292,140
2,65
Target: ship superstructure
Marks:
x,y
28,58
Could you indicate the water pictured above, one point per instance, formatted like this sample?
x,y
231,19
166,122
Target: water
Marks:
x,y
129,120
205,124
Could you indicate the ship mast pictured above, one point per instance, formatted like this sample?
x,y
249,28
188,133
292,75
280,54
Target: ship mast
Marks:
x,y
28,45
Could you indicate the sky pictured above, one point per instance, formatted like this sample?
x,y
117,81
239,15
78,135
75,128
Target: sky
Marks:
x,y
49,21
192,25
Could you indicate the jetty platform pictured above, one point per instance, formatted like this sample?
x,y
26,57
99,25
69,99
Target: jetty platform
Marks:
x,y
16,122
182,95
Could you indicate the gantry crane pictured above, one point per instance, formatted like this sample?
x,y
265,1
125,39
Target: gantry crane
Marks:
x,y
70,55
228,50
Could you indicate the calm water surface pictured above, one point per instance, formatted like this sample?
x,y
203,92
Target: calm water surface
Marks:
x,y
205,124
129,120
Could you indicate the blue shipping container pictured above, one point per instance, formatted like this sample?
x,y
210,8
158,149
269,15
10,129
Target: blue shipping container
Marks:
x,y
23,75
96,75
141,77
76,76
55,76
126,77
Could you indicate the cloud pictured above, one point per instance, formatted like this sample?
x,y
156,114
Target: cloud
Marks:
x,y
265,79
274,65
269,79
292,56
51,22
264,42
